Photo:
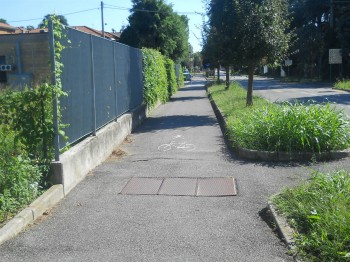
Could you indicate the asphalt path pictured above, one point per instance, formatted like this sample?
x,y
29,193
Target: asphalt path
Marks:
x,y
277,91
96,223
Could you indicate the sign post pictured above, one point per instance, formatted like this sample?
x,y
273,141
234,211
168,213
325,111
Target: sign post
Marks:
x,y
334,58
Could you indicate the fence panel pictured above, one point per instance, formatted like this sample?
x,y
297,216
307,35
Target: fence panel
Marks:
x,y
104,81
113,69
77,107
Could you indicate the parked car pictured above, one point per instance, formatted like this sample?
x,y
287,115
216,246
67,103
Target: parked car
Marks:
x,y
187,75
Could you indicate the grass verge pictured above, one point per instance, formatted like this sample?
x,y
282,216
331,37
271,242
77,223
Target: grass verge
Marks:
x,y
319,211
283,127
343,84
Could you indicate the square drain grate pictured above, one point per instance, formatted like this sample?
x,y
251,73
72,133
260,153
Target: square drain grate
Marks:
x,y
181,186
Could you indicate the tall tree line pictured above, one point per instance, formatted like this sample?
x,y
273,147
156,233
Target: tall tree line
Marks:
x,y
246,33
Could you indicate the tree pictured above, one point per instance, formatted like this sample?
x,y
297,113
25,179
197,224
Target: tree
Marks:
x,y
247,33
220,33
260,35
197,60
153,24
44,22
2,20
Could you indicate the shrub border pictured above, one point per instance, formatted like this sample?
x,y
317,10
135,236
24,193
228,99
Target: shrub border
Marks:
x,y
274,155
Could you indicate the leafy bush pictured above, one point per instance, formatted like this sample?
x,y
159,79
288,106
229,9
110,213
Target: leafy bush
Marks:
x,y
154,77
29,114
171,76
19,179
320,212
343,84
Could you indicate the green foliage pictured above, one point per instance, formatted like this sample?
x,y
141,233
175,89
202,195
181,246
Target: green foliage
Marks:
x,y
160,29
284,127
246,33
19,179
26,138
181,78
154,77
29,114
343,84
320,212
59,18
171,77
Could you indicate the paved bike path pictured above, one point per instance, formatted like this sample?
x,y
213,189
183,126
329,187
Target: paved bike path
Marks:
x,y
96,223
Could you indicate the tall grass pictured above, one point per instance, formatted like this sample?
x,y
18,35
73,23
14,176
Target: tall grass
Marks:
x,y
282,127
343,84
320,212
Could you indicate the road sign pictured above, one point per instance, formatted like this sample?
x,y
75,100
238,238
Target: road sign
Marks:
x,y
335,56
288,62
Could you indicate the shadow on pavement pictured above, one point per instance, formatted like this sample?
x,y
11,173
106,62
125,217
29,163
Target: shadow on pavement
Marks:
x,y
343,99
187,98
175,121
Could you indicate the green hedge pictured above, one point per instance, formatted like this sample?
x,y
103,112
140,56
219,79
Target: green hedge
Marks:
x,y
171,76
181,79
154,77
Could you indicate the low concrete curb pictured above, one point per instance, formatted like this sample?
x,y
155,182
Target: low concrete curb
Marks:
x,y
79,160
28,215
284,229
274,155
341,89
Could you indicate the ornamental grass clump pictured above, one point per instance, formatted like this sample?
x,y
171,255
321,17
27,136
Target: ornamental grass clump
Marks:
x,y
319,211
343,84
292,127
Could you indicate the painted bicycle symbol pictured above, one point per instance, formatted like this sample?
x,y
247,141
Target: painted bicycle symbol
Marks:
x,y
175,144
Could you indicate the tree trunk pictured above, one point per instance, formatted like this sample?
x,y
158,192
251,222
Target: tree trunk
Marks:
x,y
227,68
250,85
218,71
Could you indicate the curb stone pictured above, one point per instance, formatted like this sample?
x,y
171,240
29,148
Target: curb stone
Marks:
x,y
28,215
286,232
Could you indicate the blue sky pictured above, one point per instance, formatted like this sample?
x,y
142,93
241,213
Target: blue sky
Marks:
x,y
88,13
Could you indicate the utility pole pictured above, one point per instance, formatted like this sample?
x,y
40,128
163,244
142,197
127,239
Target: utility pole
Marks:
x,y
331,22
103,23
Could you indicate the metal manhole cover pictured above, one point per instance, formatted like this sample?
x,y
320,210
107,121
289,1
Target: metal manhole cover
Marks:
x,y
181,186
221,186
178,187
142,186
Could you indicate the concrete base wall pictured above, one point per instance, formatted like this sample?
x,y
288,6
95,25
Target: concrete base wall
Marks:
x,y
78,161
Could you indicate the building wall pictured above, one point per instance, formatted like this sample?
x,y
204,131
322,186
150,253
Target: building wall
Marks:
x,y
29,56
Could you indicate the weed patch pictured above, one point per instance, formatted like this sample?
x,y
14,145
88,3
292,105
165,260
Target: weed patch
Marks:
x,y
319,210
343,84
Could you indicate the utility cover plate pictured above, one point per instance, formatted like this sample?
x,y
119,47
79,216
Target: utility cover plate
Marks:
x,y
178,186
218,186
142,186
181,186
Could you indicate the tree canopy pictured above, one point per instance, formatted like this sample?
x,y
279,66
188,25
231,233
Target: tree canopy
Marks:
x,y
153,24
247,32
2,20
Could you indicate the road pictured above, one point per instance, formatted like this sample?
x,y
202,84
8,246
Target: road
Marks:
x,y
276,91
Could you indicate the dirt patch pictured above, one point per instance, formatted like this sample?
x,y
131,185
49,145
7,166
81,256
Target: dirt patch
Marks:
x,y
116,154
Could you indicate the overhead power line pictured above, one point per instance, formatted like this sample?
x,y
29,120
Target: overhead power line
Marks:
x,y
146,10
72,13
